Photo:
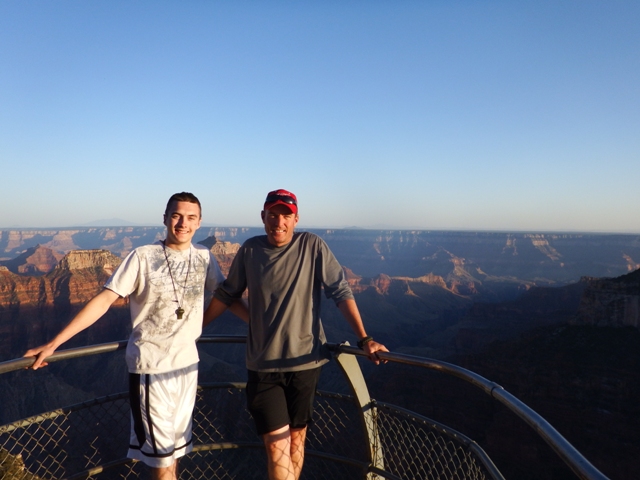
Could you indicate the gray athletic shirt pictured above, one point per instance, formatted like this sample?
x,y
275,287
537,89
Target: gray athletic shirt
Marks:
x,y
285,330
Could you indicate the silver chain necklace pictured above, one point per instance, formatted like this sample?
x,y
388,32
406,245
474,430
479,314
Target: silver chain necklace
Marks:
x,y
179,311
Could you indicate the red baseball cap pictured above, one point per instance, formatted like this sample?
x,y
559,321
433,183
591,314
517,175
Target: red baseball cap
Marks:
x,y
281,197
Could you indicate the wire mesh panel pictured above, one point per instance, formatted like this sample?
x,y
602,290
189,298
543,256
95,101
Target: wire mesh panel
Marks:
x,y
337,428
221,416
90,440
415,447
350,437
66,441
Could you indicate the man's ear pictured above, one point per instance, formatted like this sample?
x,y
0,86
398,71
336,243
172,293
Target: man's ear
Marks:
x,y
262,215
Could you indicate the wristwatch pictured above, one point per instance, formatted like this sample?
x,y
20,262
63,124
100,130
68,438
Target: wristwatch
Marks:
x,y
366,339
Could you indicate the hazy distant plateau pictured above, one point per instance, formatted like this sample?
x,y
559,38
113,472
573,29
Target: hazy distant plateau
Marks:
x,y
541,258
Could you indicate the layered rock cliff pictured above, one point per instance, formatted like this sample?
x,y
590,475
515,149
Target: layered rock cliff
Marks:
x,y
541,259
382,283
33,308
118,240
583,378
77,278
570,353
224,252
613,302
34,261
488,259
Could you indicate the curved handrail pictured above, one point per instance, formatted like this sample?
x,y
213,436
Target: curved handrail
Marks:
x,y
26,362
567,452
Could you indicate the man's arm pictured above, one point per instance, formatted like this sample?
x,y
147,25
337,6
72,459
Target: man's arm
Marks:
x,y
239,309
217,308
90,313
350,312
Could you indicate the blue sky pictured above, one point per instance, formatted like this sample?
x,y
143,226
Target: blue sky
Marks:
x,y
465,115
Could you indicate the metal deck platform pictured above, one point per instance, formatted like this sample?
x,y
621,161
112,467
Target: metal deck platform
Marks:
x,y
352,437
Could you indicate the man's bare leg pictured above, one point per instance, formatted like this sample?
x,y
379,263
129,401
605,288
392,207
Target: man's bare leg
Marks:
x,y
298,437
278,445
165,473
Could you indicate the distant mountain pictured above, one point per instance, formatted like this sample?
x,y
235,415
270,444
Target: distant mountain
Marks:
x,y
34,261
492,265
110,222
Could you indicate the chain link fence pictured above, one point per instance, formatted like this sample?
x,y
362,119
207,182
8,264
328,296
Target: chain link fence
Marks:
x,y
89,441
416,447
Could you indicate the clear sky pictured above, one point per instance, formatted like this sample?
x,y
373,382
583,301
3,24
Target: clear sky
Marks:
x,y
466,115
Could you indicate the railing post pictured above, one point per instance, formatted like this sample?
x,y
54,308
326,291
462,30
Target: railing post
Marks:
x,y
368,412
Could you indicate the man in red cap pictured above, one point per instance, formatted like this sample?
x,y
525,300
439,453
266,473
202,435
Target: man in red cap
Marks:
x,y
286,345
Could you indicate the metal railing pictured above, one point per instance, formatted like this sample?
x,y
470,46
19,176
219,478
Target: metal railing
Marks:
x,y
353,436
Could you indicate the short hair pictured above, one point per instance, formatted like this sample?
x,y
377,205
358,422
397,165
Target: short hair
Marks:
x,y
183,197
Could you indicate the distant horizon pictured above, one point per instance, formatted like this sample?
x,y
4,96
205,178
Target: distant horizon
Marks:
x,y
311,227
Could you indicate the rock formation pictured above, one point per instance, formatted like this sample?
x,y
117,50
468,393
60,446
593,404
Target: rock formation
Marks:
x,y
383,283
12,467
499,261
36,260
224,252
570,353
418,293
613,302
34,308
77,278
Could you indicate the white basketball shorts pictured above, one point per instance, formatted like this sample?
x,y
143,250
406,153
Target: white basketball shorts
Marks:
x,y
161,415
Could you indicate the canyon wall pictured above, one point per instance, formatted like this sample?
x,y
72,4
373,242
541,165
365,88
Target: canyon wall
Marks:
x,y
613,302
34,307
498,304
486,266
540,258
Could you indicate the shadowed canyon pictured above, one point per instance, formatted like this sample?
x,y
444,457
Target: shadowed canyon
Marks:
x,y
553,318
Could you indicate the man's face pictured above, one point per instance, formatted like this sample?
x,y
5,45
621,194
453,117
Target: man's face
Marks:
x,y
279,223
182,220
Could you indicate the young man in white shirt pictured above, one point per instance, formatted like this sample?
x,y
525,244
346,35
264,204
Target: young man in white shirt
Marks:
x,y
165,283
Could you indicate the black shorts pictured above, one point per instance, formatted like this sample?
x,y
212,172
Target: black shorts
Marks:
x,y
276,399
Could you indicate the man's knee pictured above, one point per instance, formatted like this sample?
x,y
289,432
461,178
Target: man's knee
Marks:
x,y
165,473
277,436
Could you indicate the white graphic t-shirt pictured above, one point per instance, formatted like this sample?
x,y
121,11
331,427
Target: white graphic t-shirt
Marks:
x,y
160,341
